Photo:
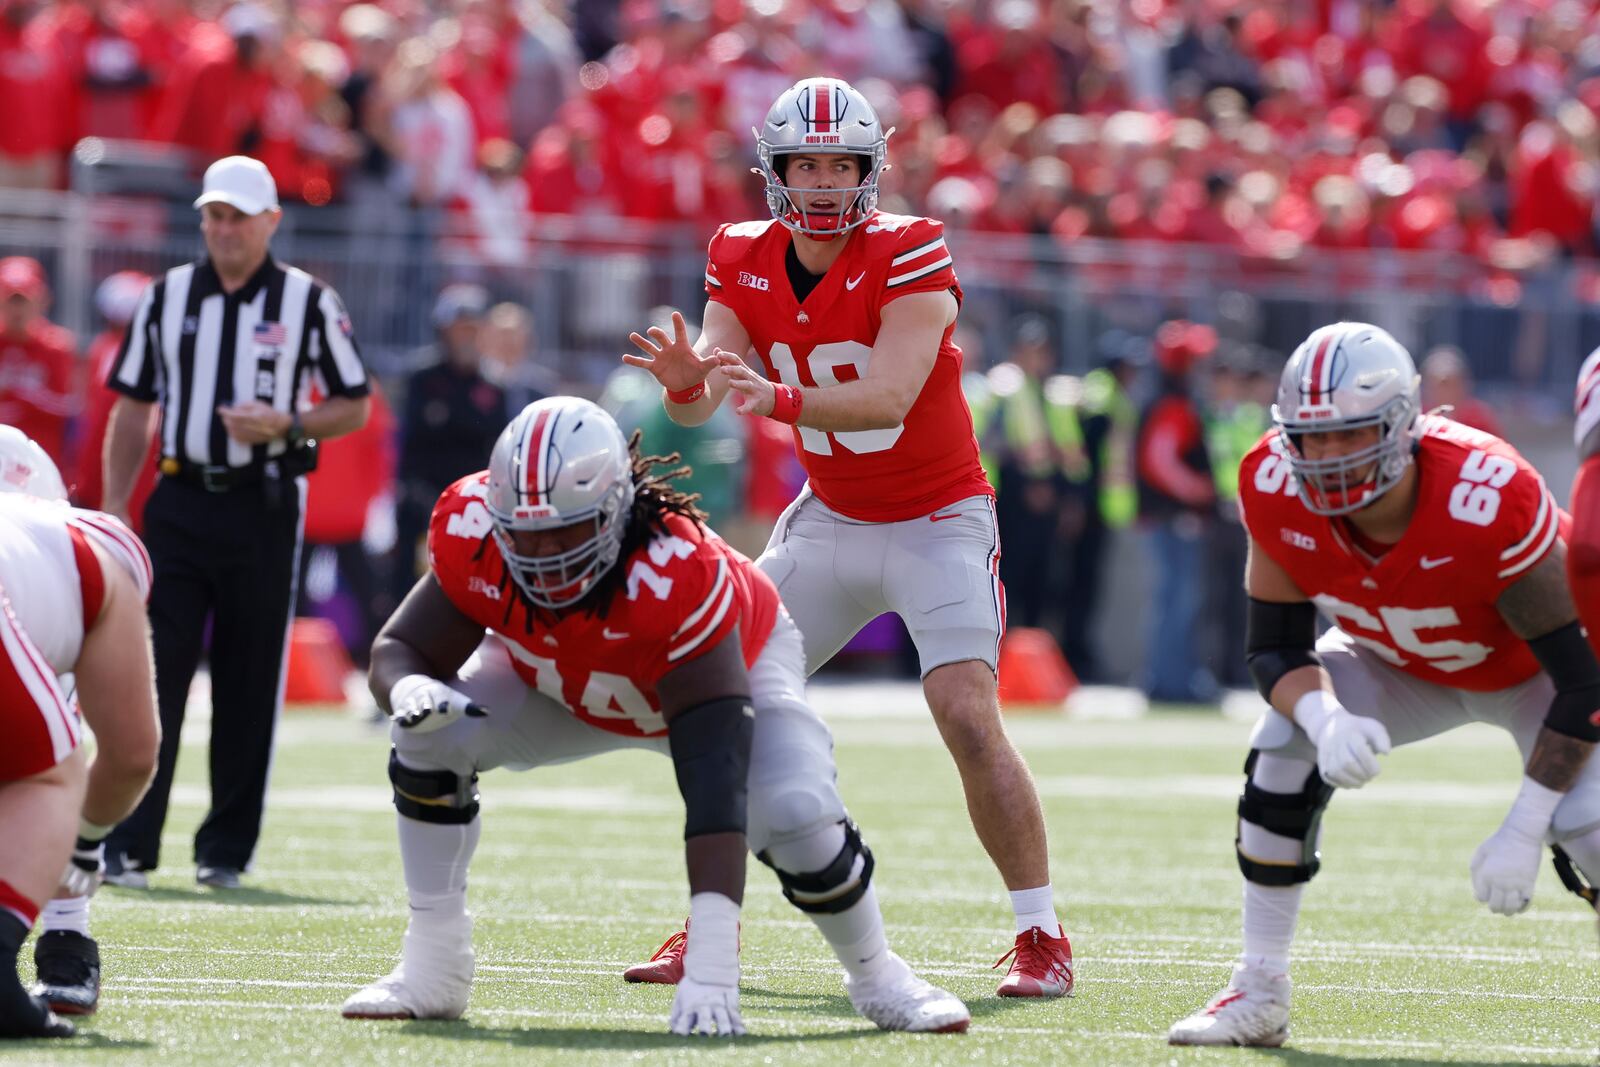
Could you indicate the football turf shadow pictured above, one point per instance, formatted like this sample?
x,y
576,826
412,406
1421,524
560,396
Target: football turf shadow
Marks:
x,y
244,896
1293,1057
573,1038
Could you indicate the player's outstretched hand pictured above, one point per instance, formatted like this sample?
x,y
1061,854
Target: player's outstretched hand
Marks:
x,y
422,704
701,1008
1348,747
756,394
672,360
1505,869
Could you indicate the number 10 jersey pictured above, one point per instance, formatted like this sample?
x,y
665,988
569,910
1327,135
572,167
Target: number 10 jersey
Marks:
x,y
1483,520
885,475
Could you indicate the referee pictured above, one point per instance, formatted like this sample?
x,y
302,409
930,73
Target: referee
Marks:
x,y
226,348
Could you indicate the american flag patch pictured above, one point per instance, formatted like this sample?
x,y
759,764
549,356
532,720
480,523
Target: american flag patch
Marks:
x,y
270,333
346,327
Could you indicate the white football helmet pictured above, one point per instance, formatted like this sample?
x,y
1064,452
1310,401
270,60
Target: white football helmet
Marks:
x,y
825,116
561,462
27,468
1344,377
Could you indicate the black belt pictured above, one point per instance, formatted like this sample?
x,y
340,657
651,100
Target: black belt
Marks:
x,y
222,479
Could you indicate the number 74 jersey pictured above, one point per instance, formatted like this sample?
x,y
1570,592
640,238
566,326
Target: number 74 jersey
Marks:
x,y
1483,519
682,593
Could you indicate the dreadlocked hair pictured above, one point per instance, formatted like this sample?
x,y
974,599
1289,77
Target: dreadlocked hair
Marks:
x,y
654,498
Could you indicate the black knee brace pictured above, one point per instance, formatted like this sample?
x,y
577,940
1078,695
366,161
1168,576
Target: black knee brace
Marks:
x,y
1295,815
1572,879
433,796
832,889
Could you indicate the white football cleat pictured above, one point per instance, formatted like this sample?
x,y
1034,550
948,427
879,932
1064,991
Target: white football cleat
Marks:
x,y
432,981
1253,1010
896,999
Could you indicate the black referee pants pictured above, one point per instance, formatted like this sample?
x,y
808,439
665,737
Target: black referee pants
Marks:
x,y
232,557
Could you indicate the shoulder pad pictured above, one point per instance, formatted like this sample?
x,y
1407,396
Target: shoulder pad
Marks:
x,y
735,240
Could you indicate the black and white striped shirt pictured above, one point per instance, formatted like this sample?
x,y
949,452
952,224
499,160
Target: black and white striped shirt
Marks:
x,y
194,348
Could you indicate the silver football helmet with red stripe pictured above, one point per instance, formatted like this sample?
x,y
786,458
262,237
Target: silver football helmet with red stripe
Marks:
x,y
822,116
1344,377
562,462
25,467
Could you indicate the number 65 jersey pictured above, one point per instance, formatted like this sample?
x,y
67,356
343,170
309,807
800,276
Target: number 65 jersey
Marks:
x,y
887,475
682,592
1483,519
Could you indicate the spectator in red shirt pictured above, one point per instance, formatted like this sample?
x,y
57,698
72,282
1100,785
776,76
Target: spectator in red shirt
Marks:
x,y
116,299
36,359
1447,382
109,57
1011,62
33,135
219,94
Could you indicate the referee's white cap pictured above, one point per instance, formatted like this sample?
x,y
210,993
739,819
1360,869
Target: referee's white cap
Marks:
x,y
242,182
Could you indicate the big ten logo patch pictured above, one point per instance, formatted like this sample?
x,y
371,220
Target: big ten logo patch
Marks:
x,y
754,281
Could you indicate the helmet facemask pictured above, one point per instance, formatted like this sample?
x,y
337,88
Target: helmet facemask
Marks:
x,y
562,579
851,205
1339,485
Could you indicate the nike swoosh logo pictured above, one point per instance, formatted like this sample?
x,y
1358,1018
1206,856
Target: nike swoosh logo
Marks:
x,y
941,518
1428,564
851,283
611,635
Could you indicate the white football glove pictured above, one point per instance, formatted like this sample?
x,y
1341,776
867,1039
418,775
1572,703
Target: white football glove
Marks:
x,y
707,1000
698,1008
1506,866
1348,746
82,876
422,704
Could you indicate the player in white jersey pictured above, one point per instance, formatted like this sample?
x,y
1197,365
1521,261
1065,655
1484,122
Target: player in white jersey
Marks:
x,y
72,617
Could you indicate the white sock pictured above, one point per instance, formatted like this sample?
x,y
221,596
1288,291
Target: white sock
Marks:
x,y
71,913
1036,907
1270,913
435,857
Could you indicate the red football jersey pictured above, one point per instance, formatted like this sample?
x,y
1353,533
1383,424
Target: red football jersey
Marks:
x,y
685,591
904,472
1483,519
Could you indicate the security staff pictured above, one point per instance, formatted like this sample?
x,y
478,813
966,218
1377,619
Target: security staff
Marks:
x,y
226,347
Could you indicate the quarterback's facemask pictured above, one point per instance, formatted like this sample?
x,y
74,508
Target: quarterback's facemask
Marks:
x,y
1348,376
561,465
822,116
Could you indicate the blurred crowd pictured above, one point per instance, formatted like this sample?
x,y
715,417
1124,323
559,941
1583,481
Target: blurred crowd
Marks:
x,y
1269,127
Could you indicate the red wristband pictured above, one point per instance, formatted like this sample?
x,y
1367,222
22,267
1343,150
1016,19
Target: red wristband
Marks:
x,y
687,396
785,403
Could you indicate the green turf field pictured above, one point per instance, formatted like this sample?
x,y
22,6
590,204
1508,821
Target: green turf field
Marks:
x,y
580,872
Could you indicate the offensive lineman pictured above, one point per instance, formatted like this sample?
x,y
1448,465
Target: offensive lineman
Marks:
x,y
850,311
73,585
1437,554
1583,556
616,619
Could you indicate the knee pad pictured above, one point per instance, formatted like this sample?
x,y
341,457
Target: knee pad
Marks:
x,y
835,888
1293,815
433,796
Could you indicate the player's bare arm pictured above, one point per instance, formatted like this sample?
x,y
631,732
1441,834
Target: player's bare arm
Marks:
x,y
680,366
427,636
116,691
1280,647
902,358
1540,610
706,705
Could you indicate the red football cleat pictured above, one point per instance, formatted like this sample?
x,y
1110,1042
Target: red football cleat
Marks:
x,y
1041,966
666,966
